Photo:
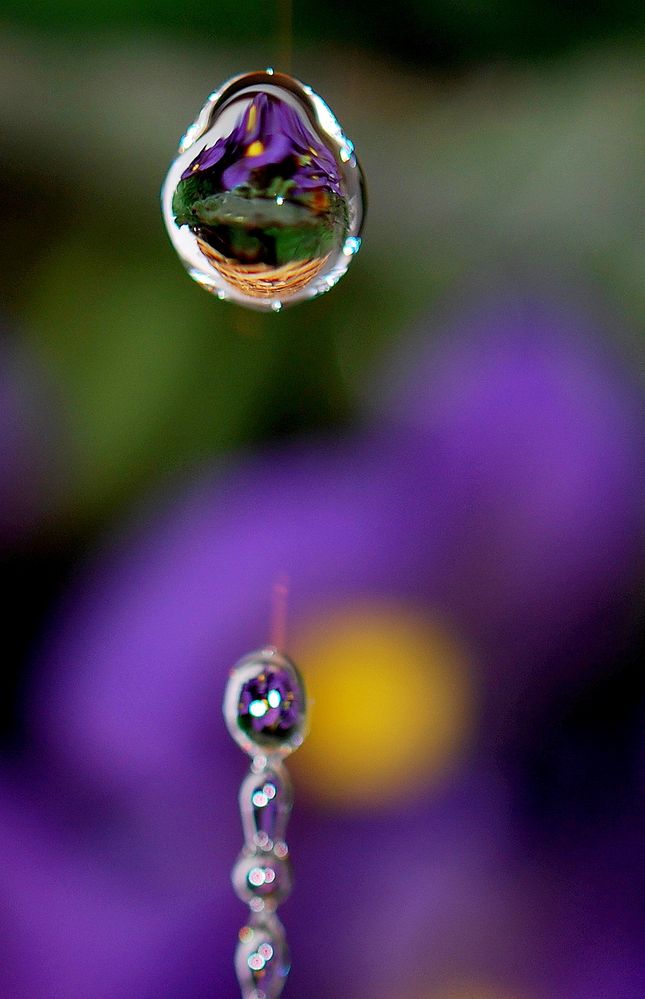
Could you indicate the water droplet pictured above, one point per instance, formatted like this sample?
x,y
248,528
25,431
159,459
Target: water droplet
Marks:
x,y
262,958
266,800
265,708
265,193
262,876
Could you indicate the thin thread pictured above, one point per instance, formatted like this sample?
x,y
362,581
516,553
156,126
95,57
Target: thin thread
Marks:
x,y
280,601
285,33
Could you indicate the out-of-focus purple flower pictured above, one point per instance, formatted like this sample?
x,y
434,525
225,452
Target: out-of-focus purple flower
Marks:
x,y
472,507
532,423
27,429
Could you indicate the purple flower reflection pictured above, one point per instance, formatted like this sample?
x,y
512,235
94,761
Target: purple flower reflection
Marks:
x,y
476,501
269,703
270,133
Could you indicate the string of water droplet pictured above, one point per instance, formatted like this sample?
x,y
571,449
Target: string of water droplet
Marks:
x,y
265,711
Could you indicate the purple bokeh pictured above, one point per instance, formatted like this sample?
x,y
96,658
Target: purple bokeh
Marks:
x,y
503,489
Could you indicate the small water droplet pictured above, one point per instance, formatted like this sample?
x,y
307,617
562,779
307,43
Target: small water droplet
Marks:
x,y
265,709
262,876
262,958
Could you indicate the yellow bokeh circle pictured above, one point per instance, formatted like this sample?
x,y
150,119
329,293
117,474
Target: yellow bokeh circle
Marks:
x,y
391,704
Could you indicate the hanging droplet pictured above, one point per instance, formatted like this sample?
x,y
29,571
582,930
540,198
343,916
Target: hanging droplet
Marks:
x,y
266,799
264,704
262,959
264,203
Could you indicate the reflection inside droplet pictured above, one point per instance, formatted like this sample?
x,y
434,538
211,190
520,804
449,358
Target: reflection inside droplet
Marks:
x,y
265,194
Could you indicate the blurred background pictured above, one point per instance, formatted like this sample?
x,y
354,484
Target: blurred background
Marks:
x,y
445,455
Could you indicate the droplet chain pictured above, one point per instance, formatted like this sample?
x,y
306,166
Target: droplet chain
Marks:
x,y
265,711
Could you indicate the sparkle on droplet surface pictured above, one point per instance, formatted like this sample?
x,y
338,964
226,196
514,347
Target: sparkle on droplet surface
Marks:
x,y
352,245
257,877
256,961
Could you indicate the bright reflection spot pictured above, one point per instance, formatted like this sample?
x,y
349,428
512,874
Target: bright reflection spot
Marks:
x,y
259,799
256,962
265,950
259,876
256,877
258,709
352,245
392,704
269,790
274,698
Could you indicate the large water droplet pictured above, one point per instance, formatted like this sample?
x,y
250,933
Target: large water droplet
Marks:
x,y
266,195
262,959
264,704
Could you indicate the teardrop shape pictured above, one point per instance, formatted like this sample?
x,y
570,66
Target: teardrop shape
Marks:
x,y
262,959
265,201
266,799
264,704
